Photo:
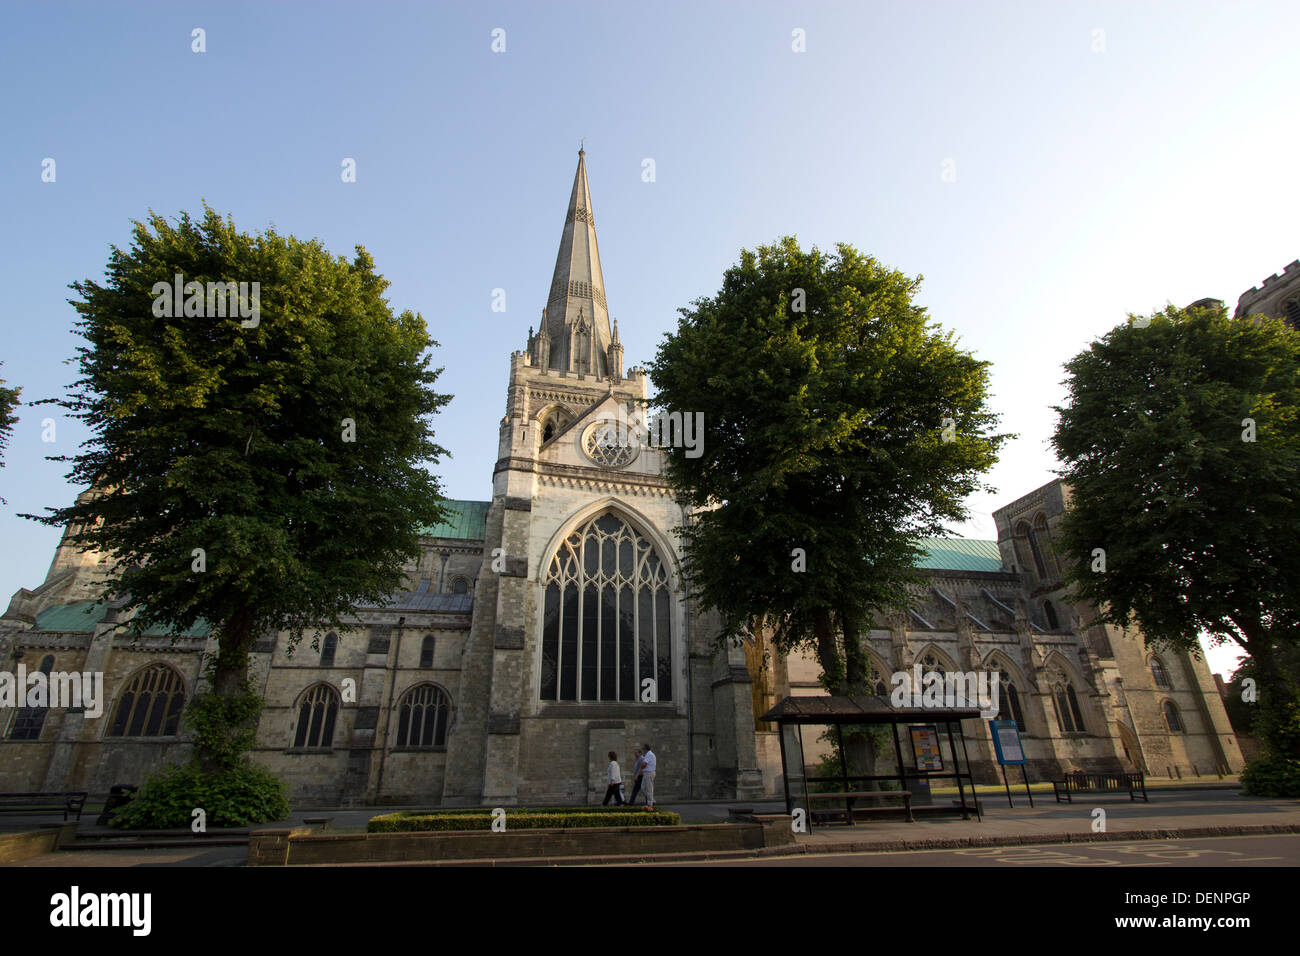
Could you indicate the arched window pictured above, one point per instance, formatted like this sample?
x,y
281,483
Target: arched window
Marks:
x,y
327,649
426,652
29,720
1009,701
1066,705
1042,540
316,715
460,586
150,704
1050,612
1172,720
607,619
876,681
423,715
1158,673
1026,535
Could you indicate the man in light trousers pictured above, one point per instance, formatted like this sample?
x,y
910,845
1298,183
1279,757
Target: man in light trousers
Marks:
x,y
648,776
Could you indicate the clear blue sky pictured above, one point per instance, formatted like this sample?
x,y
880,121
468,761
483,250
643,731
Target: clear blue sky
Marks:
x,y
1089,182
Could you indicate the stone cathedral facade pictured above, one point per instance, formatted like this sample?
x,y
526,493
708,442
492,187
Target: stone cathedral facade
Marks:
x,y
544,627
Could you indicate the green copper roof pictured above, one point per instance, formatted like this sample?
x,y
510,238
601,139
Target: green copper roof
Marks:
x,y
465,519
960,554
74,617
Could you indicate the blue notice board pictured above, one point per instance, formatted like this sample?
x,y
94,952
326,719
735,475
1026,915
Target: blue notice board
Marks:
x,y
1006,741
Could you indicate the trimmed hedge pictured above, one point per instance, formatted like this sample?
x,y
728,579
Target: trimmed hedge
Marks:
x,y
562,818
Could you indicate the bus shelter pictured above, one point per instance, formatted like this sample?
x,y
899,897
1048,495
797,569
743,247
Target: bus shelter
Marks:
x,y
918,758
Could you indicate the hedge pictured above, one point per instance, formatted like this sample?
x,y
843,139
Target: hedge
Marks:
x,y
565,819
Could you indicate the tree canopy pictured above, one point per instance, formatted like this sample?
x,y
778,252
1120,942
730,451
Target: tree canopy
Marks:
x,y
1180,444
839,426
258,473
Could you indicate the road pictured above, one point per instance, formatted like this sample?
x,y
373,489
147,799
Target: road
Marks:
x,y
1267,850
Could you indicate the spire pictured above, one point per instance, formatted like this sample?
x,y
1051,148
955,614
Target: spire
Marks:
x,y
577,318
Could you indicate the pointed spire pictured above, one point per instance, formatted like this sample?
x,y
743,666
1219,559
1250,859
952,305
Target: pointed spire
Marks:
x,y
577,286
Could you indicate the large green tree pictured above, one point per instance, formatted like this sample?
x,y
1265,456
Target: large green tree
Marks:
x,y
1181,446
259,473
839,426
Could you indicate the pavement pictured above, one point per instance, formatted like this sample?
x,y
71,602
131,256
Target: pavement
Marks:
x,y
1187,811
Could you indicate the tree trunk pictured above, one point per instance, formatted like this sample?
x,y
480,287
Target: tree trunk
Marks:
x,y
858,750
828,652
229,676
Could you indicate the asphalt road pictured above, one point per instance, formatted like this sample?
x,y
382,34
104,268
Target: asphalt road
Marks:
x,y
1266,850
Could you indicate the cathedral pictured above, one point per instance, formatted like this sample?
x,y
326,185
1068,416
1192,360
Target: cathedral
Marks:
x,y
551,624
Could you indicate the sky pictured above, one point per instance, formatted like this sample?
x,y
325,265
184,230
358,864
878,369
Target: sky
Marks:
x,y
1048,168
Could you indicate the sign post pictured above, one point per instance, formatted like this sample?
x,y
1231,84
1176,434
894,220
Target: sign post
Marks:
x,y
1006,743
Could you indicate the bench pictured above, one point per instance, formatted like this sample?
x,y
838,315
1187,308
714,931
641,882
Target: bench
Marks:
x,y
855,795
1134,784
67,801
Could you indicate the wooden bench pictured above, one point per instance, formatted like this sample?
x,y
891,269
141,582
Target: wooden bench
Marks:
x,y
1134,784
856,795
67,801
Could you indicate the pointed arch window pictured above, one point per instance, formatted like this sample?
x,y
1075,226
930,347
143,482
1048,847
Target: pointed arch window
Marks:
x,y
1030,540
328,647
317,712
607,617
150,704
1009,701
426,652
1172,719
460,586
1053,623
1066,704
1159,675
876,681
423,715
29,721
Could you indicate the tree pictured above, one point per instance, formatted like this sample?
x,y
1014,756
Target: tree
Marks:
x,y
1180,443
256,451
8,402
839,427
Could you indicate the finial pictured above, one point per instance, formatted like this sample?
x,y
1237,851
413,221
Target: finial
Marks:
x,y
581,142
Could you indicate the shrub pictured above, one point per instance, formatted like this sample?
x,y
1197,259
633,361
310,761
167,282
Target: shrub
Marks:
x,y
1272,776
479,819
236,796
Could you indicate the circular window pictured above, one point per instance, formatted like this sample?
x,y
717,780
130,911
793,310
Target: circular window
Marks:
x,y
609,446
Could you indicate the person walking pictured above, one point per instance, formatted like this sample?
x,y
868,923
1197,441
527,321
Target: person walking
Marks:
x,y
648,776
615,788
636,776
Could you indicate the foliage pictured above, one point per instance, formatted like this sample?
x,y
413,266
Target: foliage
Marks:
x,y
1272,776
1197,522
8,402
557,818
228,485
824,430
237,796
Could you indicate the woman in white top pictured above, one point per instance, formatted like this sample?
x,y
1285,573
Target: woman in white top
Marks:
x,y
615,788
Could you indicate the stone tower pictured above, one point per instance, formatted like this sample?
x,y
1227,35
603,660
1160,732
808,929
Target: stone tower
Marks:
x,y
584,639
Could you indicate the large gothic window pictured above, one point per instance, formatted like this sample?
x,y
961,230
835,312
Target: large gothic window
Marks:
x,y
1009,701
607,623
29,720
422,717
317,711
150,704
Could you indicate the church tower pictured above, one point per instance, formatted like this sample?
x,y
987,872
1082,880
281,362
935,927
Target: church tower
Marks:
x,y
584,638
